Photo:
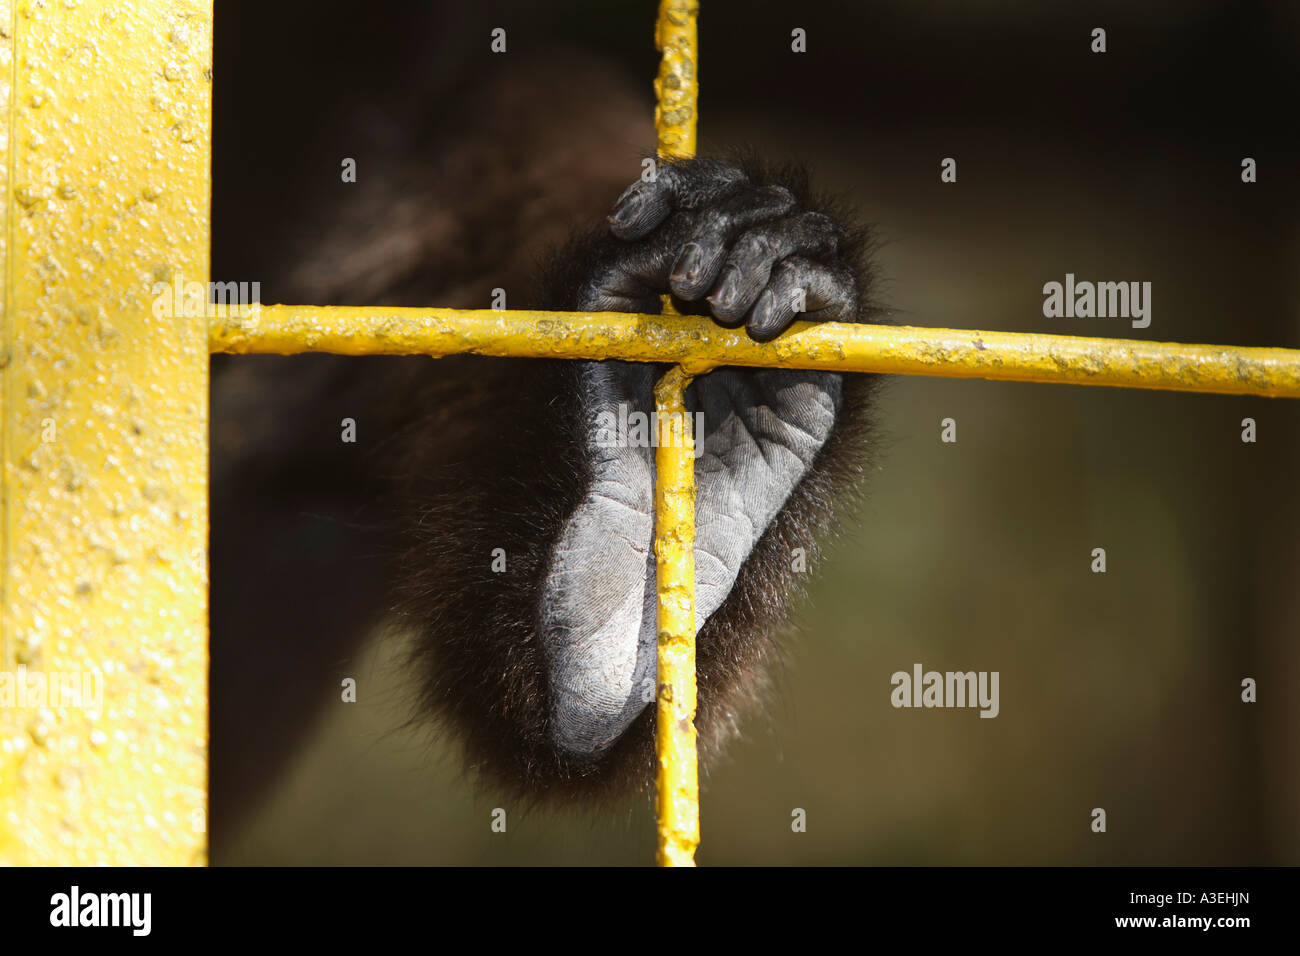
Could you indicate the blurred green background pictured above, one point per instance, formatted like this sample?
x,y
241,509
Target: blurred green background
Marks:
x,y
1118,690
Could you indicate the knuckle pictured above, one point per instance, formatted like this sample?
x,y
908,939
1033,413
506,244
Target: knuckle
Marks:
x,y
821,222
778,196
712,219
752,245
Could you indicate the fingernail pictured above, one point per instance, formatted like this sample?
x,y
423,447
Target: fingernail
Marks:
x,y
762,314
763,325
727,289
627,210
688,263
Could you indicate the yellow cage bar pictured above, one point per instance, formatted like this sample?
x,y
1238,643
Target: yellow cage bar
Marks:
x,y
699,344
103,558
677,784
103,426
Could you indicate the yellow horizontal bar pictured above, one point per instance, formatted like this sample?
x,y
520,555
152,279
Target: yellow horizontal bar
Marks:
x,y
699,344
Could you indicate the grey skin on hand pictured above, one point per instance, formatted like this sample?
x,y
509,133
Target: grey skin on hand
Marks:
x,y
703,231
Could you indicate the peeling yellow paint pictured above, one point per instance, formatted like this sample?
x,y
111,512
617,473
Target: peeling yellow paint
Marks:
x,y
699,344
103,532
677,85
677,782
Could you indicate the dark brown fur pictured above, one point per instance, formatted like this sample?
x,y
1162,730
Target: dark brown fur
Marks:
x,y
477,649
315,541
496,465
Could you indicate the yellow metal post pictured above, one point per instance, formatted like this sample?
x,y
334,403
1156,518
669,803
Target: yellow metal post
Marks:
x,y
677,786
677,87
103,431
677,783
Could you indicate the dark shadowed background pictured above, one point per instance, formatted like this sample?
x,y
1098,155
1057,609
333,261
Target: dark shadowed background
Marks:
x,y
1118,690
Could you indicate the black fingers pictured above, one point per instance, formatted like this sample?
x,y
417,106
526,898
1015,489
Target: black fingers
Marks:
x,y
703,231
701,258
802,288
749,265
630,277
687,186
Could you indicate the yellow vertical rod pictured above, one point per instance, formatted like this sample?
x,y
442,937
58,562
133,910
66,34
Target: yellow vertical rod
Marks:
x,y
677,778
103,431
677,85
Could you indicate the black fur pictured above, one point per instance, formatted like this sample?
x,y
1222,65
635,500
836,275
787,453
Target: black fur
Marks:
x,y
496,463
313,543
